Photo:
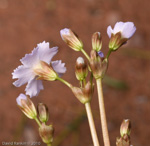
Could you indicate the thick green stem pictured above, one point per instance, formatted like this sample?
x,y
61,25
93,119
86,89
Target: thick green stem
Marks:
x,y
102,113
108,54
86,55
63,81
49,144
38,122
91,124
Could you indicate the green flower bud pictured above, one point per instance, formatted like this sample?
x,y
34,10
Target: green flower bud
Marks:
x,y
46,133
84,95
81,69
97,41
71,39
125,128
43,112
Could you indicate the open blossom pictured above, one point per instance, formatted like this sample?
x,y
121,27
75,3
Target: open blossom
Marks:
x,y
37,65
127,29
120,34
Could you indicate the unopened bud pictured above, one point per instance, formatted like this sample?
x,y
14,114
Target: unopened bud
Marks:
x,y
98,65
46,133
26,106
125,128
71,39
97,41
116,41
81,69
43,112
45,71
84,95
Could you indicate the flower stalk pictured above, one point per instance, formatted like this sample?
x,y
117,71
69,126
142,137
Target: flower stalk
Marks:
x,y
102,113
91,124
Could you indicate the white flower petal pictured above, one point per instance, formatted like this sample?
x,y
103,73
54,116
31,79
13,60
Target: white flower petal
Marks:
x,y
118,27
59,67
23,74
45,53
33,88
30,59
21,96
109,31
128,30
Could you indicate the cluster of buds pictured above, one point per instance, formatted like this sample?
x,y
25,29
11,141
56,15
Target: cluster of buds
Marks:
x,y
28,108
125,131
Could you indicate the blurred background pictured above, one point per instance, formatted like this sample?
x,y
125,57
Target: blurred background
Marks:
x,y
25,23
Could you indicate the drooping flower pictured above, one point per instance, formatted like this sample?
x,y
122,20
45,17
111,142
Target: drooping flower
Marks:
x,y
38,65
71,39
26,106
120,34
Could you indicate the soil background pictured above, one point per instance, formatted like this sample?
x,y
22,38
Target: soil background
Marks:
x,y
25,23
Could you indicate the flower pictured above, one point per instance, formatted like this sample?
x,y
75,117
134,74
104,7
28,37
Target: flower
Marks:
x,y
127,29
71,39
120,34
26,106
35,66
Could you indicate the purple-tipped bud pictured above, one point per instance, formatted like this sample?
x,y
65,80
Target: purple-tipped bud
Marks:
x,y
43,112
81,69
26,106
98,65
100,53
97,41
71,39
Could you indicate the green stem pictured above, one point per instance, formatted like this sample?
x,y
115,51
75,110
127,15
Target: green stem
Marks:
x,y
38,122
102,113
86,55
108,54
91,124
49,144
63,81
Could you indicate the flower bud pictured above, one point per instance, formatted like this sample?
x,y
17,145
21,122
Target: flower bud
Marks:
x,y
97,41
125,128
71,39
84,95
116,41
46,133
45,72
26,106
43,112
81,69
98,66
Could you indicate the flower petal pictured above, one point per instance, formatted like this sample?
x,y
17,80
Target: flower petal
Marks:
x,y
59,67
21,96
33,88
118,27
23,74
109,31
45,53
30,59
64,31
128,30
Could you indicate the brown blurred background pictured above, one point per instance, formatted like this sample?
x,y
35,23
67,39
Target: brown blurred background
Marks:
x,y
25,23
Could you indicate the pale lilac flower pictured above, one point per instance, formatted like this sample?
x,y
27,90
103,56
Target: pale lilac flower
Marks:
x,y
26,72
127,29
